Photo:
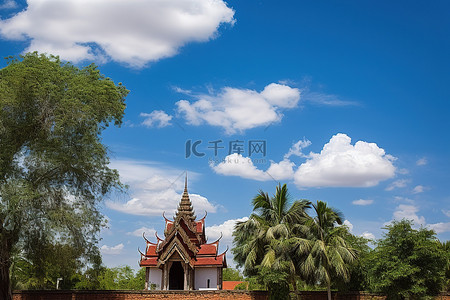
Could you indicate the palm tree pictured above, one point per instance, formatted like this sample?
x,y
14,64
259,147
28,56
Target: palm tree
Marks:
x,y
325,250
266,239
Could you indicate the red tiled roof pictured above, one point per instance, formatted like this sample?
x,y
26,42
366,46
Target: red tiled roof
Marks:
x,y
149,261
199,226
230,285
207,249
208,261
151,251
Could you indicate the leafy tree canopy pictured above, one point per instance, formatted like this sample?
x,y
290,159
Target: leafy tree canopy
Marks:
x,y
53,165
407,263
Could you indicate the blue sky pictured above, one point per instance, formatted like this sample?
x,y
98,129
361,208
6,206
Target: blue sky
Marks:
x,y
349,98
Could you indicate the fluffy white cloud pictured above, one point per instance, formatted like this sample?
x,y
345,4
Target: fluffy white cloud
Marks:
x,y
134,32
238,165
362,202
154,189
440,227
138,232
283,170
368,235
113,250
226,229
418,189
340,164
156,118
446,212
401,183
422,161
237,110
409,212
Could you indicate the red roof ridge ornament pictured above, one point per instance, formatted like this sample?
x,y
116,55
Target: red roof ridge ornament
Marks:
x,y
203,219
216,241
167,220
158,238
143,235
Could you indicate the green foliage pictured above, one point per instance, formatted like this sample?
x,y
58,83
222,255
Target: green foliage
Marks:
x,y
53,166
358,269
445,246
276,282
325,253
46,264
407,263
121,278
280,240
230,274
268,239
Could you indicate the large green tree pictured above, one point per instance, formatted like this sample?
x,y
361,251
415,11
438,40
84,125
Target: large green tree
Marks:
x,y
326,251
53,165
407,263
266,242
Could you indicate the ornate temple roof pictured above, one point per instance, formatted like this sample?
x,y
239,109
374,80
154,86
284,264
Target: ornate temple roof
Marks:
x,y
184,237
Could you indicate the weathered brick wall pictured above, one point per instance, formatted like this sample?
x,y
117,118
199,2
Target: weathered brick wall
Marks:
x,y
188,295
322,295
139,295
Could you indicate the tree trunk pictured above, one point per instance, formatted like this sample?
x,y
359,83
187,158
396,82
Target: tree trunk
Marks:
x,y
329,291
5,264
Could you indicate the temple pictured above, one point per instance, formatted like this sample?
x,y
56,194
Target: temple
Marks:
x,y
183,260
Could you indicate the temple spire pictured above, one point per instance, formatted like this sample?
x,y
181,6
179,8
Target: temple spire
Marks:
x,y
185,206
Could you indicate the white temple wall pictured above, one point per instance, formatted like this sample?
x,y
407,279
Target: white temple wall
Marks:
x,y
155,278
201,278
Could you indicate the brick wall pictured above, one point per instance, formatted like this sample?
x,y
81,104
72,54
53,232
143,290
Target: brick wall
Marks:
x,y
139,295
188,295
322,295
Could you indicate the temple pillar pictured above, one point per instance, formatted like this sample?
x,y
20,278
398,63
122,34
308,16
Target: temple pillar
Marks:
x,y
147,277
186,284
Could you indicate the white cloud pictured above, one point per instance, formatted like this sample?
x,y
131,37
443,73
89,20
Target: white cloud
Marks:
x,y
238,165
226,229
349,225
156,118
401,183
134,32
113,250
440,227
340,164
9,4
237,110
418,189
368,235
138,232
154,189
296,148
409,212
446,212
284,170
362,202
422,161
